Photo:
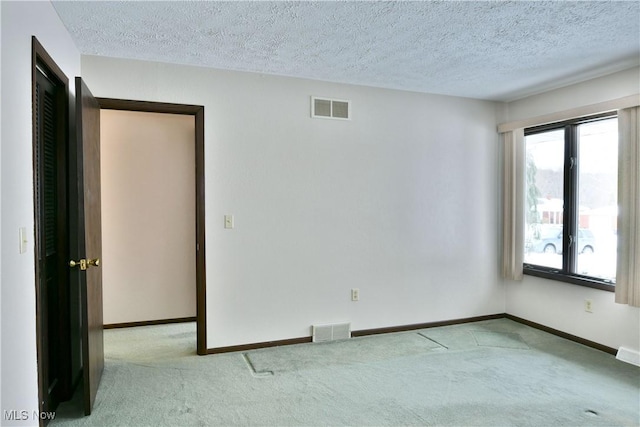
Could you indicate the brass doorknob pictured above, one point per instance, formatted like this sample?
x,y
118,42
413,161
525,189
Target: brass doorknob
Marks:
x,y
84,264
80,263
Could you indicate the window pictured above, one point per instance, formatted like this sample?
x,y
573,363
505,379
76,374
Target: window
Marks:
x,y
571,201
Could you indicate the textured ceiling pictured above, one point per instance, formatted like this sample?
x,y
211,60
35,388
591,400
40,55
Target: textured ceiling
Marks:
x,y
488,50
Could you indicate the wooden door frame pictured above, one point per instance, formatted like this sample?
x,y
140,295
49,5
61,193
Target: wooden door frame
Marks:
x,y
40,58
198,112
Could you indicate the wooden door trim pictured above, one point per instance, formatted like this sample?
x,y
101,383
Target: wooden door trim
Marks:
x,y
198,112
40,58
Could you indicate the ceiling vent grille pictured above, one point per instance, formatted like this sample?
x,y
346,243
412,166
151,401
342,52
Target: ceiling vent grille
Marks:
x,y
324,108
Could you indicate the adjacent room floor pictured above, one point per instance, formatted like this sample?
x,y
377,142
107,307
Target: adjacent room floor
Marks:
x,y
490,373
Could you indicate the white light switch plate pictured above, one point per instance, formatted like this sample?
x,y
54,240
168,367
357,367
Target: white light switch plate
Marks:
x,y
22,235
228,221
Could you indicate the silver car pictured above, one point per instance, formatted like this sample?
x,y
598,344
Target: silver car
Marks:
x,y
550,241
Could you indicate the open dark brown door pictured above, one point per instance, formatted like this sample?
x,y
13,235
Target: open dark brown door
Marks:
x,y
89,246
50,137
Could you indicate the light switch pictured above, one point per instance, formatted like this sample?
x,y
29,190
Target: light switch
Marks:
x,y
228,221
22,235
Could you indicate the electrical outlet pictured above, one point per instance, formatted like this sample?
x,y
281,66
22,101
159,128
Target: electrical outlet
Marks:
x,y
588,306
355,294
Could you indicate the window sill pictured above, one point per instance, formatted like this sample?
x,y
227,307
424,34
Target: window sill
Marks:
x,y
574,279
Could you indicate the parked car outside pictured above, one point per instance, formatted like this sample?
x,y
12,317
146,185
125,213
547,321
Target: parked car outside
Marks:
x,y
550,241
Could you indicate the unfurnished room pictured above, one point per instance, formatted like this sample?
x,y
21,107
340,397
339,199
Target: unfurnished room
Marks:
x,y
314,213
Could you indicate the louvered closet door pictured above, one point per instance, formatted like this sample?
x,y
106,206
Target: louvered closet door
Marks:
x,y
49,256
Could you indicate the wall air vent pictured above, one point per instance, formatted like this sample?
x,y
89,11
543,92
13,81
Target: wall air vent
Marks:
x,y
325,108
336,331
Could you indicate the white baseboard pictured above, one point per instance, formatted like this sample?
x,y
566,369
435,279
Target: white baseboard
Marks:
x,y
629,356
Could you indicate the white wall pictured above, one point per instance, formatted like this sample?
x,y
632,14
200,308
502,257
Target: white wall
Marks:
x,y
19,22
0,206
147,166
560,305
400,202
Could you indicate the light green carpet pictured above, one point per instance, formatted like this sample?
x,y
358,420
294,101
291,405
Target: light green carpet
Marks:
x,y
492,373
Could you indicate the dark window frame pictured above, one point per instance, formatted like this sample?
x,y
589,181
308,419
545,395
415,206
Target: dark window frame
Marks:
x,y
570,212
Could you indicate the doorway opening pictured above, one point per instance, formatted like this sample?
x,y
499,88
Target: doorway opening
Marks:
x,y
147,166
153,191
128,337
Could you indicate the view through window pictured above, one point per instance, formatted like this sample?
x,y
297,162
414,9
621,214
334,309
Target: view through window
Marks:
x,y
572,182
